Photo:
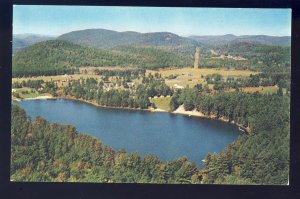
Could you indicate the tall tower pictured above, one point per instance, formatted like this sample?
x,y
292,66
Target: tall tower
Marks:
x,y
196,62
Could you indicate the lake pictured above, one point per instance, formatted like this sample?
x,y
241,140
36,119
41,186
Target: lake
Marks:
x,y
165,135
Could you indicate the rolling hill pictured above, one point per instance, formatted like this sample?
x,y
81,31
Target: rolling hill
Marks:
x,y
100,47
59,57
230,38
267,54
21,41
107,39
251,56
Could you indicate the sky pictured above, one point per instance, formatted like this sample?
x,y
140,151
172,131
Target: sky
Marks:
x,y
57,20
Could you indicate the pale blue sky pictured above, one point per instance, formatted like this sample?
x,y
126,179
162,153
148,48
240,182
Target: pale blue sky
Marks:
x,y
56,20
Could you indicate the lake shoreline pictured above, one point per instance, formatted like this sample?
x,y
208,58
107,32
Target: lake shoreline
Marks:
x,y
195,113
135,131
180,110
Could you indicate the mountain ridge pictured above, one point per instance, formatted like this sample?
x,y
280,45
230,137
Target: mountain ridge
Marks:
x,y
107,39
228,38
55,57
21,41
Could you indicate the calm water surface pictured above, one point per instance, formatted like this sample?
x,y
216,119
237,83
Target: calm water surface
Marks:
x,y
165,135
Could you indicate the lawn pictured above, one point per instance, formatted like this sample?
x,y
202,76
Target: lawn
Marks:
x,y
29,93
262,89
56,78
162,102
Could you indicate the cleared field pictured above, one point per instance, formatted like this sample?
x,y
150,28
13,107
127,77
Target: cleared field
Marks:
x,y
56,78
162,102
181,81
263,89
202,71
29,93
190,76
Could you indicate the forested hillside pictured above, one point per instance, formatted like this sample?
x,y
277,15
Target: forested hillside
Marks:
x,y
261,56
107,39
213,40
100,47
60,57
262,157
45,152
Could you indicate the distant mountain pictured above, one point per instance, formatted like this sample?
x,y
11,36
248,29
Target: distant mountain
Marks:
x,y
107,39
23,40
100,47
229,38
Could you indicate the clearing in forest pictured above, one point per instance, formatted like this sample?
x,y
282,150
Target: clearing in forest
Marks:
x,y
162,103
191,76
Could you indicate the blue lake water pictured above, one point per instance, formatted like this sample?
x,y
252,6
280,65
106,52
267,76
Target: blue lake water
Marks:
x,y
165,135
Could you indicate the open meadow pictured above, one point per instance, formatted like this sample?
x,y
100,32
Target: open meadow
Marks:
x,y
190,76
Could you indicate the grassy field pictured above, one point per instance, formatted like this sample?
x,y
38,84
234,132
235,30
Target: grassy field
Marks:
x,y
265,89
184,77
29,93
203,71
190,76
56,78
162,102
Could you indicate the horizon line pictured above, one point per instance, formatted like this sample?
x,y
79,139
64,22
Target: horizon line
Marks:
x,y
121,31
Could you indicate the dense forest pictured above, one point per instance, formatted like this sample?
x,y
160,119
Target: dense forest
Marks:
x,y
108,39
262,157
61,57
255,111
259,55
47,152
154,51
94,90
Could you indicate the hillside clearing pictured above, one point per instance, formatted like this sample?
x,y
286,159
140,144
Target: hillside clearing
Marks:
x,y
191,76
263,89
162,102
29,93
203,71
55,78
